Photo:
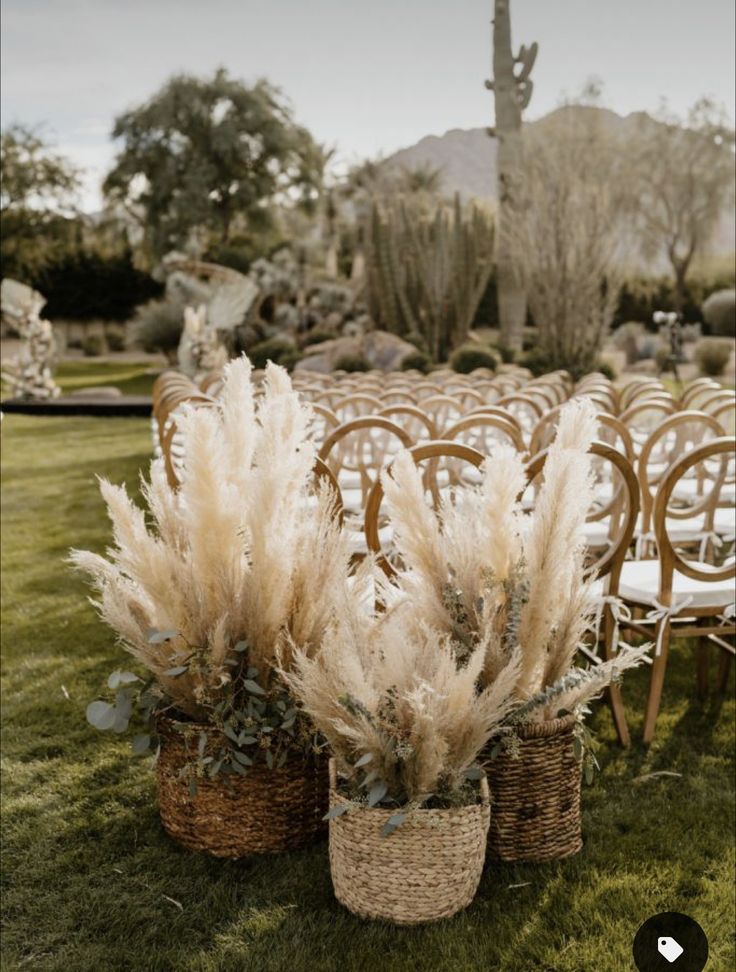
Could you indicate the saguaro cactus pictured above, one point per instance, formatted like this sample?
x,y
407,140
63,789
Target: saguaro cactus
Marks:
x,y
512,89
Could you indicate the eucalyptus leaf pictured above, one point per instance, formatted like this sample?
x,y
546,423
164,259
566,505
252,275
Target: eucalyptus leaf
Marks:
x,y
122,720
364,760
589,773
577,748
253,687
178,670
231,734
336,811
240,647
394,821
244,740
157,637
117,679
474,773
377,792
243,759
101,715
140,745
269,759
192,786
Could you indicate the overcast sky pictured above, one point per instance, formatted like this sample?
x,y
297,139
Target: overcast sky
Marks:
x,y
368,76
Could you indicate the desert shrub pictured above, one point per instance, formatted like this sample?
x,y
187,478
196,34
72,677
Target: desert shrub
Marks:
x,y
538,361
418,340
227,255
158,326
719,311
88,286
274,349
290,359
627,339
352,362
115,337
663,358
468,357
529,338
92,345
418,361
606,370
691,333
318,335
712,356
506,354
648,349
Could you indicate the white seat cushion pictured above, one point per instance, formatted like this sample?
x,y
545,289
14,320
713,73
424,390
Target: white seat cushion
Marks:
x,y
640,583
691,527
690,489
352,500
597,533
357,542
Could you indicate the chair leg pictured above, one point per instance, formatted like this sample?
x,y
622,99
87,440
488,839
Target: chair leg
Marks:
x,y
702,651
619,715
724,670
659,667
615,699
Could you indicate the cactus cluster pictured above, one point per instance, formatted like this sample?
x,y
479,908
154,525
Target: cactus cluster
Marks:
x,y
426,275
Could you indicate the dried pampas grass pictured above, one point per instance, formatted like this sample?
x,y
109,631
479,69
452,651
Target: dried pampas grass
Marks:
x,y
486,574
242,552
388,695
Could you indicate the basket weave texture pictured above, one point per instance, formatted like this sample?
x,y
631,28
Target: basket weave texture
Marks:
x,y
535,797
428,868
266,811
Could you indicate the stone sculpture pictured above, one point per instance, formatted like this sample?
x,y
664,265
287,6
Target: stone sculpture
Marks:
x,y
30,374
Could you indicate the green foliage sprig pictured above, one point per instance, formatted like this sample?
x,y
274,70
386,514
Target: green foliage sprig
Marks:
x,y
252,723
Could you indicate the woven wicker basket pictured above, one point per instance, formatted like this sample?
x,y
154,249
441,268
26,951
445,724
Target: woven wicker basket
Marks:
x,y
428,868
535,797
264,812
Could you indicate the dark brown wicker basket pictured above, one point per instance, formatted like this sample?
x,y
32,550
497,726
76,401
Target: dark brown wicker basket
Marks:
x,y
535,796
267,811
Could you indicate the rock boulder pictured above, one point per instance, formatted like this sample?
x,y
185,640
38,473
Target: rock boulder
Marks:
x,y
380,349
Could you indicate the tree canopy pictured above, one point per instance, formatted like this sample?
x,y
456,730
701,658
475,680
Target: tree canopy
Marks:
x,y
37,201
682,180
204,159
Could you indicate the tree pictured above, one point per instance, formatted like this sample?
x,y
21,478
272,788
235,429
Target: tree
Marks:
x,y
38,196
205,158
683,178
566,234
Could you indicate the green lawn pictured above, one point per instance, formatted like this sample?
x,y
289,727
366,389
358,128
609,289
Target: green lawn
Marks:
x,y
90,882
131,377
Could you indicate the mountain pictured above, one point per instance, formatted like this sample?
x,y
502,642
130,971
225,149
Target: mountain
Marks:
x,y
466,159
